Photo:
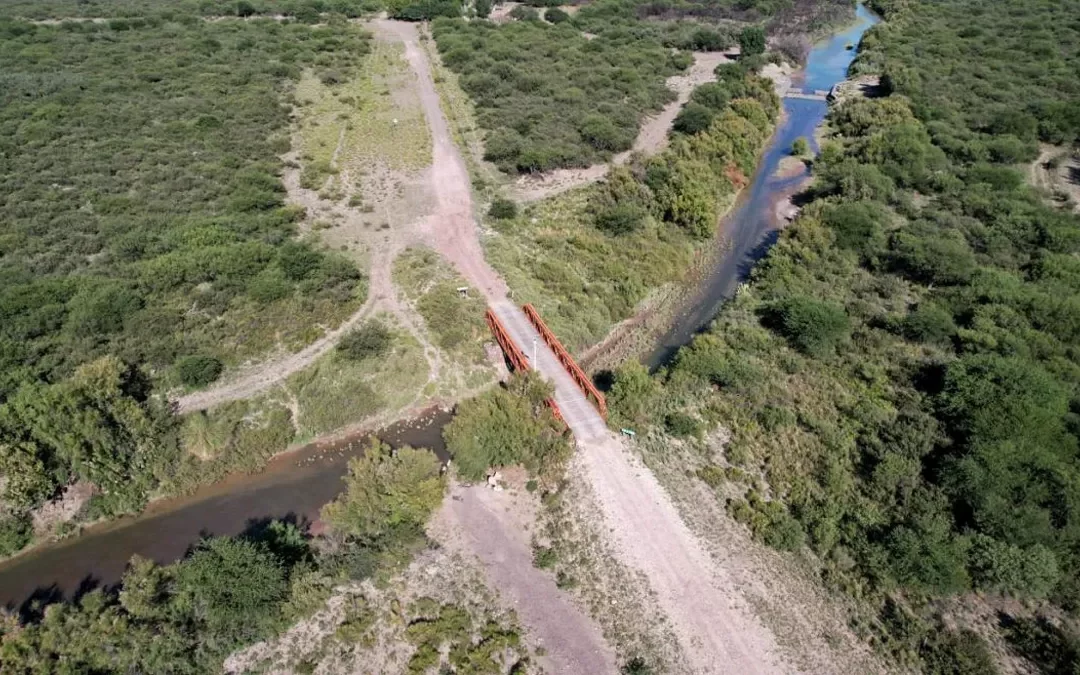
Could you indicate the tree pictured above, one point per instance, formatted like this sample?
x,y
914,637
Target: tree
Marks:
x,y
811,326
507,426
751,41
800,147
386,490
244,8
232,587
483,8
101,426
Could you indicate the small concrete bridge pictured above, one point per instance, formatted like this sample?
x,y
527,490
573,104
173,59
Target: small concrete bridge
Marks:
x,y
810,95
530,345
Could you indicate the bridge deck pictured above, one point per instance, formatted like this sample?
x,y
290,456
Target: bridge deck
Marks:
x,y
578,412
810,96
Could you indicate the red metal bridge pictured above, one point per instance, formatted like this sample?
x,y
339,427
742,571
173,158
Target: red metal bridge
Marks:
x,y
530,345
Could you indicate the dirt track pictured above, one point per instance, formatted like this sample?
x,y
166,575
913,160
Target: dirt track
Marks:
x,y
715,626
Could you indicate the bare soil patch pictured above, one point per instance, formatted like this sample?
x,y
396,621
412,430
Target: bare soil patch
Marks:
x,y
495,528
1056,171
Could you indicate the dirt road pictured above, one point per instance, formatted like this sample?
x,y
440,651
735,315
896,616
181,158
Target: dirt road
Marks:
x,y
715,626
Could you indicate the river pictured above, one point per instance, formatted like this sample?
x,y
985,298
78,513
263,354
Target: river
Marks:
x,y
297,484
752,227
293,486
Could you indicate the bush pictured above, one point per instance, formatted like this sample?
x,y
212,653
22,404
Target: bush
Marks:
x,y
857,227
503,209
198,370
370,340
928,323
14,534
507,426
621,218
712,95
751,41
556,15
524,13
800,147
693,119
681,425
811,326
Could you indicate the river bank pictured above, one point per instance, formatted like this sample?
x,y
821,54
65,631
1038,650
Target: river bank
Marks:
x,y
293,487
750,228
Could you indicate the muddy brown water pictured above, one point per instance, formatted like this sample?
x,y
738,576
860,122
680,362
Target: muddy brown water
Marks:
x,y
292,486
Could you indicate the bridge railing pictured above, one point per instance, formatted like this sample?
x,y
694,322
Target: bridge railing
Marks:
x,y
580,378
515,355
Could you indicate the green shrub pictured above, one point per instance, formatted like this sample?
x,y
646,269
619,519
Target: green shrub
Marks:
x,y
751,41
368,341
712,95
681,425
637,666
556,15
621,218
503,209
198,370
811,326
951,652
928,323
15,533
507,426
800,147
693,119
544,557
524,13
858,226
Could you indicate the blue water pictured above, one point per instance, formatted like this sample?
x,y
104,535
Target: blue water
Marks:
x,y
752,227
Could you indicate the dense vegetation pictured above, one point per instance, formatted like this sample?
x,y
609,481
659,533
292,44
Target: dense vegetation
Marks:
x,y
902,377
143,214
145,243
549,97
229,592
588,258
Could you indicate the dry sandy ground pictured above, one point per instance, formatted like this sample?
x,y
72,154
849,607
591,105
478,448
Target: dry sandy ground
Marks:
x,y
495,528
652,138
715,625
